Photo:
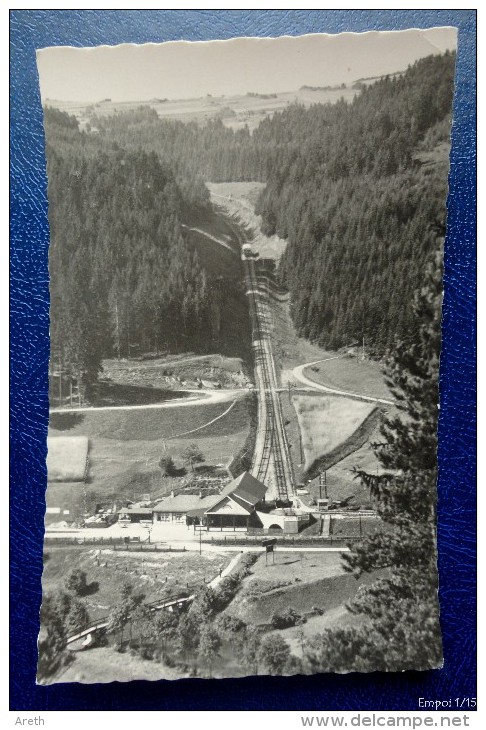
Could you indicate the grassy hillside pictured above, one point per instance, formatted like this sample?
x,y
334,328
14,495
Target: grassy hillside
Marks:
x,y
326,423
301,581
352,375
126,446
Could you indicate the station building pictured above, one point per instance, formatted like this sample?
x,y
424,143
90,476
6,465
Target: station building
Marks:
x,y
176,509
234,508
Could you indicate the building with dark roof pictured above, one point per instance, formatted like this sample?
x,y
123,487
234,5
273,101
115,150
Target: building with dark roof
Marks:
x,y
234,508
175,509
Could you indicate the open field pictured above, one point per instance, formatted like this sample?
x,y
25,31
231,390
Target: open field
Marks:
x,y
349,374
126,446
157,575
235,111
151,424
289,566
326,423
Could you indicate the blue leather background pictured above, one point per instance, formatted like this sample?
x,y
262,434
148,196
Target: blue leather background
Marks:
x,y
31,29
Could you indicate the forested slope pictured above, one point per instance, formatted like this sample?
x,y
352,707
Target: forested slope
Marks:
x,y
360,205
123,277
358,189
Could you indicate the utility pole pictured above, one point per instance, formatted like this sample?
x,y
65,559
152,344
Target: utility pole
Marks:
x,y
117,329
363,347
60,377
323,483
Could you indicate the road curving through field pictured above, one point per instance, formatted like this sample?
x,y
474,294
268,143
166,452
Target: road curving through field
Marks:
x,y
198,398
298,373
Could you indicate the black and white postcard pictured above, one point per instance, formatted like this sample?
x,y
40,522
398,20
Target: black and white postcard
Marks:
x,y
246,247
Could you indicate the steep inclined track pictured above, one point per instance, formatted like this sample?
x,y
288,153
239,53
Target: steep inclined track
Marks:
x,y
271,459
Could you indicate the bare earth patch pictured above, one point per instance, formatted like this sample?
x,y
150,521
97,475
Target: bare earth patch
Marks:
x,y
238,199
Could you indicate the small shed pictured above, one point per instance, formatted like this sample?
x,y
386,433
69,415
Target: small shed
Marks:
x,y
135,514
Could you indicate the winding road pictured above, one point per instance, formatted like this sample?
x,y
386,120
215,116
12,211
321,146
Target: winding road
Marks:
x,y
198,398
298,374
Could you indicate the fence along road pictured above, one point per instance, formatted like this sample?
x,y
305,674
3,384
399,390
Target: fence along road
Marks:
x,y
271,459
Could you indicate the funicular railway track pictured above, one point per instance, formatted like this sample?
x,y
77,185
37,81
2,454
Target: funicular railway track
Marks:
x,y
271,459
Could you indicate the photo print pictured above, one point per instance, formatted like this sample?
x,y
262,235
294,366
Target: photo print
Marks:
x,y
246,246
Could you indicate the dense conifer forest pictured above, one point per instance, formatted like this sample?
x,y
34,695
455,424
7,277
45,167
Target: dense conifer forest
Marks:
x,y
358,190
124,280
361,201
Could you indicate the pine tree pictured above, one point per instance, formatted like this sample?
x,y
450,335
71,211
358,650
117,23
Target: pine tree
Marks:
x,y
401,609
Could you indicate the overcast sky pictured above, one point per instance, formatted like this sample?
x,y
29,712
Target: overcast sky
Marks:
x,y
181,69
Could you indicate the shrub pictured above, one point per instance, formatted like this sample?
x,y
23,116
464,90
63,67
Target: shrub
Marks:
x,y
226,591
245,564
229,626
147,652
193,455
285,619
77,582
168,467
